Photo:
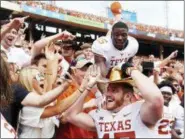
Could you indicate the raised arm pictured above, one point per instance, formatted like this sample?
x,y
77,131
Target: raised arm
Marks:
x,y
33,99
152,109
52,66
39,45
74,114
168,59
15,23
61,106
100,61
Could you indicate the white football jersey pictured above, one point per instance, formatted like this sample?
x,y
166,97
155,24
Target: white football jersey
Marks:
x,y
126,123
163,126
179,119
104,47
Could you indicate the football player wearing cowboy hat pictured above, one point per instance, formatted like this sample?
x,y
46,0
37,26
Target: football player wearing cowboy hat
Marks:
x,y
121,118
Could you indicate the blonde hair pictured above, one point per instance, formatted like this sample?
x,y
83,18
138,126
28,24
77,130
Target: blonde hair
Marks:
x,y
26,76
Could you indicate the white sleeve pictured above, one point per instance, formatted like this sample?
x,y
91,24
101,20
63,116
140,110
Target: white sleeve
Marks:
x,y
97,48
136,107
179,115
93,114
27,59
23,59
135,46
31,116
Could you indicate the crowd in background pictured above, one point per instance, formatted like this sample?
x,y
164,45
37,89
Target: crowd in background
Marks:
x,y
138,26
46,87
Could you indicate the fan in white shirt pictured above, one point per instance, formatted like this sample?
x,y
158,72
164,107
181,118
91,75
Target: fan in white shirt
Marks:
x,y
9,37
38,122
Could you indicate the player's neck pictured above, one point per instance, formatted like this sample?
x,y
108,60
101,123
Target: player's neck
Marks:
x,y
124,46
121,107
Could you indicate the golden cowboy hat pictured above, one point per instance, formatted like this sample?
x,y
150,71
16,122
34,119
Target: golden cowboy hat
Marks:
x,y
115,77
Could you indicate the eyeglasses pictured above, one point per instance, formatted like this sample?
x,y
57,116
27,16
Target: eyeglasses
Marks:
x,y
39,77
59,83
58,51
66,47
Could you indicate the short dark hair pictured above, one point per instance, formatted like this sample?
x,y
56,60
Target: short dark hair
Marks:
x,y
120,25
171,79
36,59
167,83
126,87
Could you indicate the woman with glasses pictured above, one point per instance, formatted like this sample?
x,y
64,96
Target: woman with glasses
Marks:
x,y
35,122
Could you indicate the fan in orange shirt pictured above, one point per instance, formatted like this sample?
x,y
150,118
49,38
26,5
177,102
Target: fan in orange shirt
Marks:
x,y
68,130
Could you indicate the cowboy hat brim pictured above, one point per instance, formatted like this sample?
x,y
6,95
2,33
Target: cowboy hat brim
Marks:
x,y
126,81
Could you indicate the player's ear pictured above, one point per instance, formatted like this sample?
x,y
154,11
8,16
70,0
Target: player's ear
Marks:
x,y
128,97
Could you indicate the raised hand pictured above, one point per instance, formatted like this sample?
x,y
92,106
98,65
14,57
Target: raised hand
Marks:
x,y
93,75
49,51
173,54
17,22
65,35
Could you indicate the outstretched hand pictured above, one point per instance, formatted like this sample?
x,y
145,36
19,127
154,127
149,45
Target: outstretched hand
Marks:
x,y
93,75
49,51
173,54
18,22
65,35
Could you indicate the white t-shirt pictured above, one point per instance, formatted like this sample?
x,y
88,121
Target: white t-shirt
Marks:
x,y
104,47
175,100
126,123
18,56
32,126
7,130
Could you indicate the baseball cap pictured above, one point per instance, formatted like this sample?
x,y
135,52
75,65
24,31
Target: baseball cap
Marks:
x,y
82,62
85,46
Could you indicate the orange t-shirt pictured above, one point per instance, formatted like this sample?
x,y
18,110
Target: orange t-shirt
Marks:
x,y
69,130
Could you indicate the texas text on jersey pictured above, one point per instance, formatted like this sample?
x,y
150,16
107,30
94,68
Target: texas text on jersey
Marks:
x,y
124,124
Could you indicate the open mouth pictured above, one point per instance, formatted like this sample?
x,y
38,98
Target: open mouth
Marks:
x,y
59,83
42,86
10,39
109,99
59,61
